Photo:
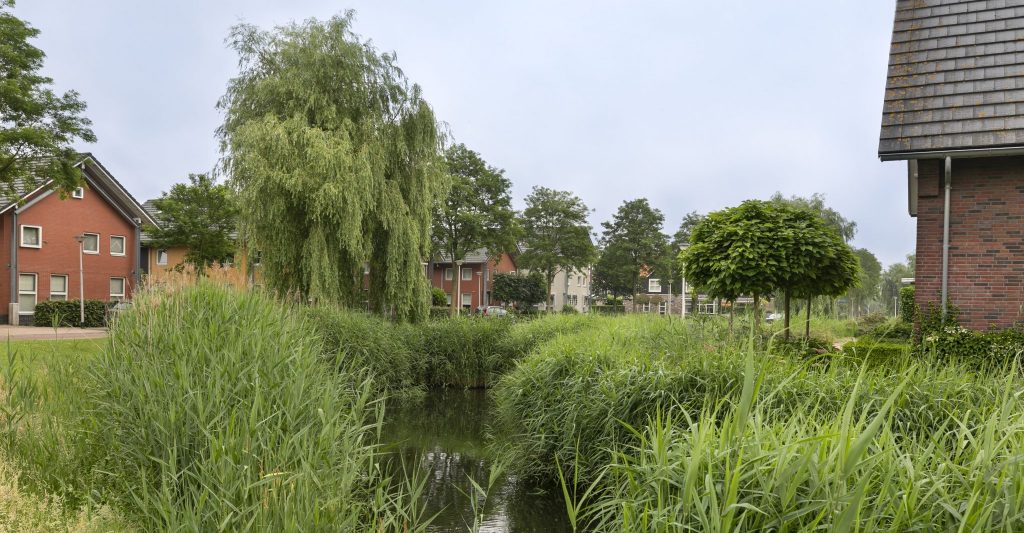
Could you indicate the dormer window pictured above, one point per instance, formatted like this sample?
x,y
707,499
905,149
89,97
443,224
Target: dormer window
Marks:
x,y
78,193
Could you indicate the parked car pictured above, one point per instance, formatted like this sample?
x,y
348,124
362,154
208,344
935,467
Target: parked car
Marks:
x,y
772,317
493,310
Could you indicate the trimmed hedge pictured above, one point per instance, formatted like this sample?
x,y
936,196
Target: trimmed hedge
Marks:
x,y
66,313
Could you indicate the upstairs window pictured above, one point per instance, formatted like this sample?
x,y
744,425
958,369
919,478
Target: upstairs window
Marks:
x,y
31,236
116,245
91,243
467,274
78,193
448,274
161,257
654,285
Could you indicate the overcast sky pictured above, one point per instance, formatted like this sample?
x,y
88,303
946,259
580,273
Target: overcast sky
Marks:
x,y
693,105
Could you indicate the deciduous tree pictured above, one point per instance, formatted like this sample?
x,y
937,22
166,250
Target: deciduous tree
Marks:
x,y
201,216
635,235
477,212
521,290
37,126
336,158
556,233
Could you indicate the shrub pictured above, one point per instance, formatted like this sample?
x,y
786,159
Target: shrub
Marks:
x,y
461,351
68,313
215,412
869,322
907,305
877,353
438,298
894,329
982,350
569,309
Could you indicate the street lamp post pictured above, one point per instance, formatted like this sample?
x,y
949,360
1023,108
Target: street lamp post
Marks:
x,y
81,280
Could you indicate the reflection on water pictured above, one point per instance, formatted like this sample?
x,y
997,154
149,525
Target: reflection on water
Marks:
x,y
444,434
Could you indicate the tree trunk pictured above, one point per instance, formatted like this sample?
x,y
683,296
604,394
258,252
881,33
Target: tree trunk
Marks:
x,y
807,325
786,325
732,312
757,318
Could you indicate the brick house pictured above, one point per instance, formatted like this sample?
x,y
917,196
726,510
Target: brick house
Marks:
x,y
38,242
161,264
477,276
954,111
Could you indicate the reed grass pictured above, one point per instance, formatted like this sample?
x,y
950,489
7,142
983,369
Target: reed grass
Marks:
x,y
668,425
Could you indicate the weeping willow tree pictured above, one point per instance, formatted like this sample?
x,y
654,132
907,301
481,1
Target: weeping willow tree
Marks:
x,y
337,163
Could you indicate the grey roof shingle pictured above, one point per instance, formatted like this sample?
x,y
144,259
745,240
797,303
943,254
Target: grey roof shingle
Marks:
x,y
956,76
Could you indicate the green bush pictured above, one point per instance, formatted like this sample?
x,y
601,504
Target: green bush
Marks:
x,y
907,305
876,352
440,313
68,313
569,309
983,350
215,412
438,298
894,329
869,322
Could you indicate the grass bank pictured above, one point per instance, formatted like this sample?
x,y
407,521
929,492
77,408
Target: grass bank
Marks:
x,y
208,409
676,426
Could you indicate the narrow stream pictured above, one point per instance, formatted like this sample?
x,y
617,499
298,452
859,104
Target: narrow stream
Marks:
x,y
444,435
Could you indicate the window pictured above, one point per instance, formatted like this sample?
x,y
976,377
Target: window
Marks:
x,y
662,308
78,193
654,285
116,289
161,257
467,274
706,309
257,258
467,299
58,287
91,243
449,298
448,274
116,245
645,307
27,294
32,236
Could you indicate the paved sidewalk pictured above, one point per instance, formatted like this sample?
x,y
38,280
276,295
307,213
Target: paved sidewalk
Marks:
x,y
24,333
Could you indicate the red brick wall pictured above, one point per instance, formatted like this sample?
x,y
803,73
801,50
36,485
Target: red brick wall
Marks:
x,y
986,254
475,286
61,220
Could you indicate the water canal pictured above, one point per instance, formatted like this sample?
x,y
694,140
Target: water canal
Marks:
x,y
444,435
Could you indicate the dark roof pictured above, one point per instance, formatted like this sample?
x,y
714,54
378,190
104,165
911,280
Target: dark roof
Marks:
x,y
956,77
96,176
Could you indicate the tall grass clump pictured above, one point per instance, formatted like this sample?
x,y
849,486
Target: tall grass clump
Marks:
x,y
574,399
215,412
739,467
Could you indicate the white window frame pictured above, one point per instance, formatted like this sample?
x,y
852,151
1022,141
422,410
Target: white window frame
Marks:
x,y
21,236
34,292
86,250
124,245
645,307
113,295
54,293
654,286
164,262
662,308
449,274
78,193
449,298
467,299
466,271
